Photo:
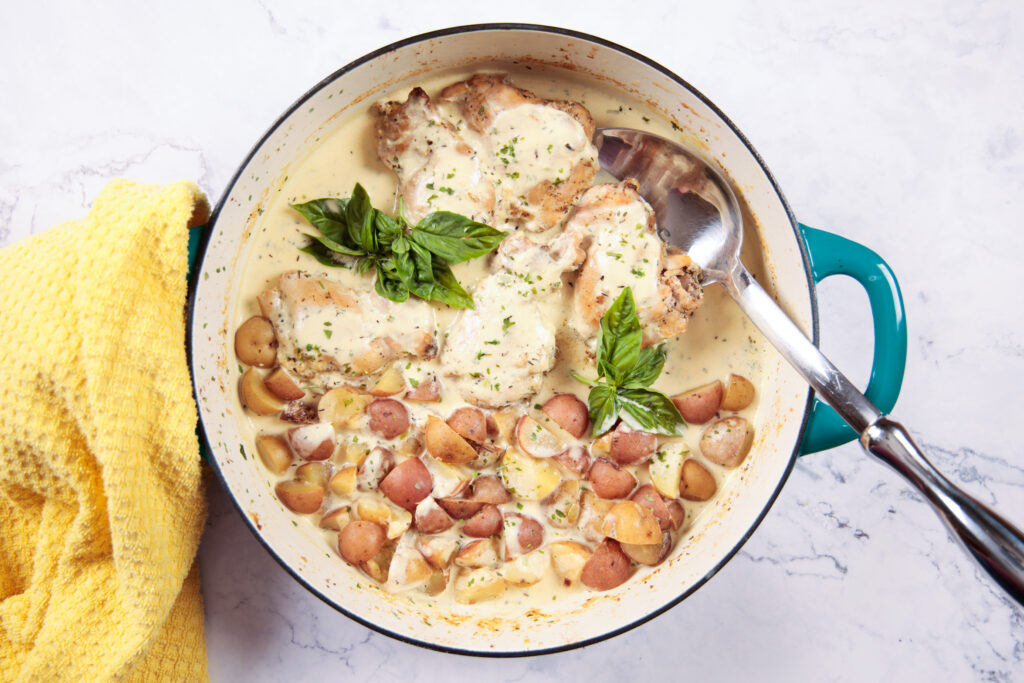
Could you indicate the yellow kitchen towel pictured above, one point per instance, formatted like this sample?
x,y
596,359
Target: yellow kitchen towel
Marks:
x,y
101,492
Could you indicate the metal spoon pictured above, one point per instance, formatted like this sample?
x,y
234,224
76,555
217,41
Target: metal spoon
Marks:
x,y
697,212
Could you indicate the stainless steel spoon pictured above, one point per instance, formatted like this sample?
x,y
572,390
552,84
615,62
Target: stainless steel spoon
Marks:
x,y
697,211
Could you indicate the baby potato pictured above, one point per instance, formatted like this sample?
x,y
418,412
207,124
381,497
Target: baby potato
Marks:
x,y
274,452
408,568
487,488
377,566
388,417
336,519
460,508
522,534
484,524
727,441
631,522
283,386
592,513
430,518
343,483
399,522
562,507
576,459
536,440
315,473
608,480
374,468
676,514
437,550
445,444
437,582
649,497
389,383
300,496
700,404
567,559
739,393
360,540
666,467
469,423
449,480
427,391
650,554
569,413
256,343
697,483
528,478
478,585
313,442
478,553
343,407
505,421
255,395
407,484
525,570
607,567
373,509
629,447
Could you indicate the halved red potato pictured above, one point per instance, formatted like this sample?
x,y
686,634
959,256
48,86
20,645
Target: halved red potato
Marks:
x,y
336,519
388,417
576,459
283,386
256,396
562,507
487,488
649,497
274,452
522,534
459,508
484,524
649,554
438,550
608,480
696,482
569,413
739,393
445,444
377,566
430,518
568,559
374,468
390,382
344,407
700,404
630,446
469,423
315,473
477,553
607,567
478,585
300,496
408,568
316,441
592,513
677,514
360,540
666,467
535,440
427,391
525,570
526,477
256,343
630,522
407,484
727,441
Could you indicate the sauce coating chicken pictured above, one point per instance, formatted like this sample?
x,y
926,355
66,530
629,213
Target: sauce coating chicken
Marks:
x,y
329,335
625,251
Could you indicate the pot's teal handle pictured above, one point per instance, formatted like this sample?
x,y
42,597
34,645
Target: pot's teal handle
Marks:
x,y
834,255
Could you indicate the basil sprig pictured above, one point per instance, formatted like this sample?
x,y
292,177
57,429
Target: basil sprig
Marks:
x,y
625,372
409,259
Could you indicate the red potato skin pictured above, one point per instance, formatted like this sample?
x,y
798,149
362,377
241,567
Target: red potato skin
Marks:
x,y
469,423
629,447
531,533
388,417
460,509
649,497
609,481
676,514
407,484
489,489
360,540
607,568
433,521
569,413
484,524
576,459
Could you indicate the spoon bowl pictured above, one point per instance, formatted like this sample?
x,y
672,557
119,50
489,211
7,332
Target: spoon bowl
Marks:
x,y
697,212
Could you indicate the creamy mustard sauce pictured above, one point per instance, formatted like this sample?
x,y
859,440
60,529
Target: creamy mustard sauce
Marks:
x,y
719,340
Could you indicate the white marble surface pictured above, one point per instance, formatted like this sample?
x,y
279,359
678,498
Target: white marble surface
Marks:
x,y
895,124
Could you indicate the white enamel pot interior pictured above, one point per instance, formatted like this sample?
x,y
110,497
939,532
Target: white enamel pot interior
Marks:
x,y
485,628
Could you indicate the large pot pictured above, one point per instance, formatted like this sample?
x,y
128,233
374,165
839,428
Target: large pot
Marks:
x,y
789,421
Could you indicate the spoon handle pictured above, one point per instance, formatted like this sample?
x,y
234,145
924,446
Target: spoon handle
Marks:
x,y
996,544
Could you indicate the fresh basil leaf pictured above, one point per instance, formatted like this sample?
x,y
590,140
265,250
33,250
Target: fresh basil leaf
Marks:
x,y
456,238
651,411
359,214
328,216
403,263
323,255
365,264
447,288
648,366
336,247
619,339
604,407
388,229
390,287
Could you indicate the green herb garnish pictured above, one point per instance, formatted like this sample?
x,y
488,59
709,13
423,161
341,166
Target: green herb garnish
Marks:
x,y
625,372
409,259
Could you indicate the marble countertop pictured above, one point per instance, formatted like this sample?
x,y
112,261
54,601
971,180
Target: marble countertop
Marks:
x,y
894,124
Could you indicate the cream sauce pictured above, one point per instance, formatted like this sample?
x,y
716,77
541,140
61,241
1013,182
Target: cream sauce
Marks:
x,y
719,340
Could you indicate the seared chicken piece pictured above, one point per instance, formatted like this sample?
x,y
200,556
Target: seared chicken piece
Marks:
x,y
329,335
625,251
437,170
500,350
540,151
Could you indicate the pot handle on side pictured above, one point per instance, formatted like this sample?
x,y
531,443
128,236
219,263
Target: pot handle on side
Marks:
x,y
830,255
